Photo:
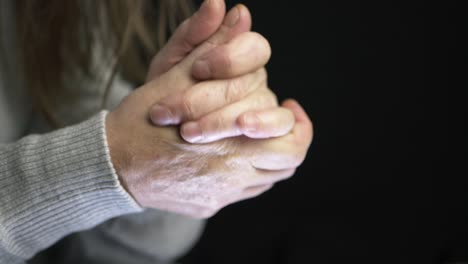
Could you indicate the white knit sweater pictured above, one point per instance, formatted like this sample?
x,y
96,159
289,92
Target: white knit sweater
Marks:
x,y
56,183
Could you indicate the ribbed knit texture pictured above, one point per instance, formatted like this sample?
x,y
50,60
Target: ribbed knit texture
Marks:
x,y
55,184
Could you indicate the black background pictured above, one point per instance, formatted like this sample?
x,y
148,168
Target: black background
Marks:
x,y
380,183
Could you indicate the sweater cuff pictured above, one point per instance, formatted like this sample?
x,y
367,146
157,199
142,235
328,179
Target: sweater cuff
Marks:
x,y
63,182
6,257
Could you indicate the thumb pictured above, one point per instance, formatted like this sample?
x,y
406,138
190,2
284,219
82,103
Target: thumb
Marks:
x,y
192,32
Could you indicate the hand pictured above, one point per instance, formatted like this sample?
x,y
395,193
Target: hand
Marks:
x,y
162,171
242,105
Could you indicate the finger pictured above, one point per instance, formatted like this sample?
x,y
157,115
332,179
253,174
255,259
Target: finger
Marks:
x,y
303,131
256,190
268,177
222,123
237,21
245,53
180,73
204,98
193,31
285,152
267,123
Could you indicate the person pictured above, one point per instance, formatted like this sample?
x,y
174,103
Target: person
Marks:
x,y
133,183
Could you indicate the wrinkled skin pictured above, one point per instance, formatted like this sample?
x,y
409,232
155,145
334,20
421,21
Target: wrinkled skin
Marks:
x,y
247,142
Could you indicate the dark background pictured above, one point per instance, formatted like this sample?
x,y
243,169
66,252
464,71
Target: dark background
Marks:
x,y
380,183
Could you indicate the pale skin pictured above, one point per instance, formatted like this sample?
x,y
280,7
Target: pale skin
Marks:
x,y
234,143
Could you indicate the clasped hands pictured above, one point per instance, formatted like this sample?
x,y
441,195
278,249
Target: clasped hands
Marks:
x,y
205,131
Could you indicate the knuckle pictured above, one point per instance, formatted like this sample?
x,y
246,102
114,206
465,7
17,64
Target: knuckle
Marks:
x,y
225,62
264,100
234,90
270,98
261,42
310,127
185,24
257,99
260,190
257,37
187,43
274,99
305,135
251,122
296,156
262,73
210,44
209,126
219,37
288,118
217,123
310,135
288,174
188,107
297,159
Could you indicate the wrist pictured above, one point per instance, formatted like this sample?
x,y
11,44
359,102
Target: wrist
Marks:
x,y
117,156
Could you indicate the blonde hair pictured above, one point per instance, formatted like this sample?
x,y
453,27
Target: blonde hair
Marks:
x,y
56,37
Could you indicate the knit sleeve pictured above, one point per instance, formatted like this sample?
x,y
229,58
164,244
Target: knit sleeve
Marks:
x,y
55,184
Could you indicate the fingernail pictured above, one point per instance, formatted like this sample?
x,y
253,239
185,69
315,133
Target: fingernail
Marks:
x,y
232,17
191,132
250,123
160,115
201,70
